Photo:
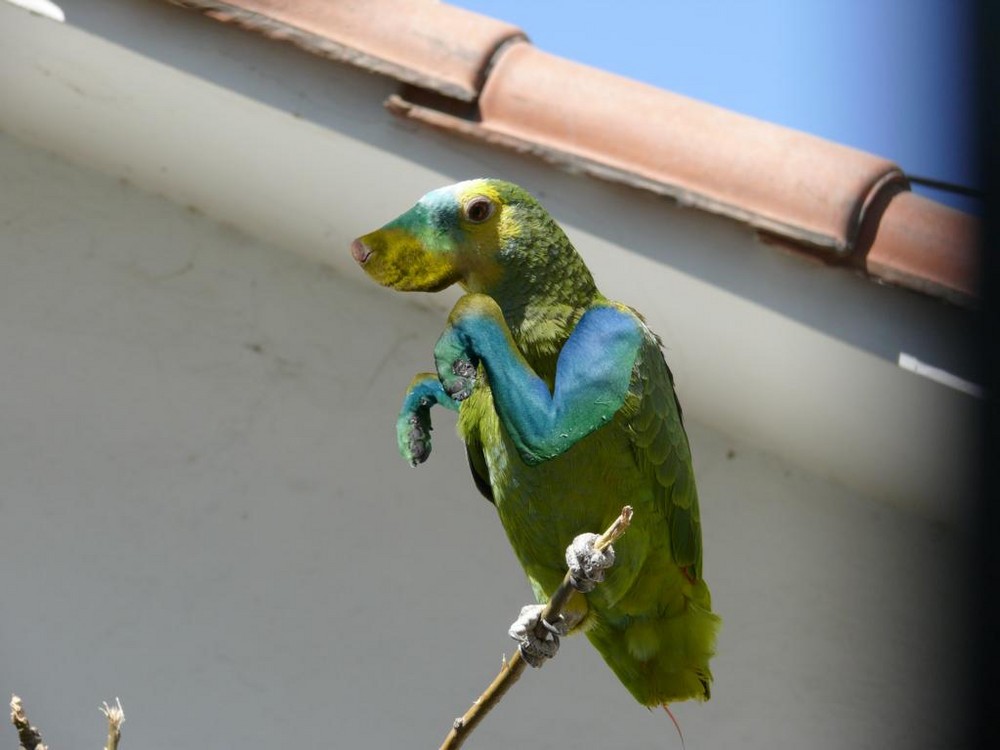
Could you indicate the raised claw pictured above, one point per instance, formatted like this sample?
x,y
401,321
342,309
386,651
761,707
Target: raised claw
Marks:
x,y
587,564
418,441
535,650
413,425
460,387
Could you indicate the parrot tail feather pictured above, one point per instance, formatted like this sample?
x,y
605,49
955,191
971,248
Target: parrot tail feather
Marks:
x,y
677,724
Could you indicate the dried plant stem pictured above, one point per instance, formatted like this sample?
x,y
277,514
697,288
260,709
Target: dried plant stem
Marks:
x,y
29,736
31,739
511,669
116,717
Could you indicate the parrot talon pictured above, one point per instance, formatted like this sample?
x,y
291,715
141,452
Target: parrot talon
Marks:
x,y
535,650
461,387
586,564
413,426
418,442
463,368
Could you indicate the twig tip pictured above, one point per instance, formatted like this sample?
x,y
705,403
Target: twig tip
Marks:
x,y
115,714
116,717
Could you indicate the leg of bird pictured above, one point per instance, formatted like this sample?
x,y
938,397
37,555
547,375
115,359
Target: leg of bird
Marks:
x,y
535,649
413,426
587,566
586,563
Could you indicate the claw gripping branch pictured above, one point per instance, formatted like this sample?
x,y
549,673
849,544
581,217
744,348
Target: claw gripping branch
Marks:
x,y
511,670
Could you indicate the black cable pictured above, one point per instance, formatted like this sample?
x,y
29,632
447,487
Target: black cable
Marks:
x,y
948,187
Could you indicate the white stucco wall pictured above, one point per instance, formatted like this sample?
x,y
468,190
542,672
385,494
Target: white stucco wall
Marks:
x,y
203,513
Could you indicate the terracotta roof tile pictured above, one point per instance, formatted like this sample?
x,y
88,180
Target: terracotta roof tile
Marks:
x,y
429,44
775,178
477,77
927,246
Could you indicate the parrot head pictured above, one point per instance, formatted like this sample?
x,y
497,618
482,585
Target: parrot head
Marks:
x,y
467,233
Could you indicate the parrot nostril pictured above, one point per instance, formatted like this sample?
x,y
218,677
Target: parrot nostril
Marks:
x,y
360,251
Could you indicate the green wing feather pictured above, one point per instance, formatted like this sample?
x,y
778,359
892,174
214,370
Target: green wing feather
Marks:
x,y
480,471
661,449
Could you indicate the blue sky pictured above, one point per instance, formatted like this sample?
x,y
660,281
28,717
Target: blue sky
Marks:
x,y
893,77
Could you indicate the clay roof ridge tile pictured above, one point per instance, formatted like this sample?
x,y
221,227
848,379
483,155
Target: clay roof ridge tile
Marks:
x,y
432,45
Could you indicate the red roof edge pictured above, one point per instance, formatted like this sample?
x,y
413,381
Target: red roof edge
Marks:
x,y
428,44
928,247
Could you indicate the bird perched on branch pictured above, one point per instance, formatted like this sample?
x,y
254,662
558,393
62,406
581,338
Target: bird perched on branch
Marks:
x,y
568,411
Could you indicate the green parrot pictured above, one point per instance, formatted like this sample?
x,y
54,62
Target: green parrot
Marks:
x,y
568,412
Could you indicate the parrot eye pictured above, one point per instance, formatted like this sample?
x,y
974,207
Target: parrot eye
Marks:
x,y
479,209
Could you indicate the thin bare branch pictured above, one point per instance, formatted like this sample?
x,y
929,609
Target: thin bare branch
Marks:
x,y
512,669
116,717
29,736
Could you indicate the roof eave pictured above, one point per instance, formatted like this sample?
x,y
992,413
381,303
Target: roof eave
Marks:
x,y
479,78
